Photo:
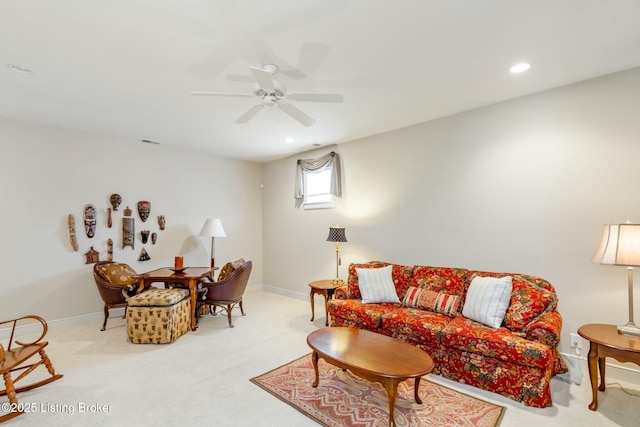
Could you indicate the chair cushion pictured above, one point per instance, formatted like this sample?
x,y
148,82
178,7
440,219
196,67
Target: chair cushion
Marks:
x,y
229,268
155,297
117,273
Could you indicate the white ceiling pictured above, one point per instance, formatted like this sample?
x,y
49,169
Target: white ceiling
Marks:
x,y
124,68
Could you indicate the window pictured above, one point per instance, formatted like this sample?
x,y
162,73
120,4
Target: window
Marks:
x,y
317,186
318,182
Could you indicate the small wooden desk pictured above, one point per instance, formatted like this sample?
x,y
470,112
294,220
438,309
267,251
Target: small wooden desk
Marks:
x,y
190,277
326,288
605,341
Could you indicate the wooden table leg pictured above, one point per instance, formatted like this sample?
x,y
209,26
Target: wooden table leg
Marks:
x,y
415,390
193,293
314,360
311,294
593,374
391,385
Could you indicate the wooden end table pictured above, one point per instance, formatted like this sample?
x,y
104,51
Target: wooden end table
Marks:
x,y
374,357
326,288
605,341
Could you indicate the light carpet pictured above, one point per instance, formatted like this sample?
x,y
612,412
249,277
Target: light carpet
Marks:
x,y
342,399
202,379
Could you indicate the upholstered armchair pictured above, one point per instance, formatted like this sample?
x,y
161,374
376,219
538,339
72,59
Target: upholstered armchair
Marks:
x,y
114,281
227,292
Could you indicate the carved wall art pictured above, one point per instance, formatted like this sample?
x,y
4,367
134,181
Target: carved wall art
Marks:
x,y
109,250
128,230
72,232
109,217
145,236
115,200
144,256
161,222
144,209
154,238
91,256
90,220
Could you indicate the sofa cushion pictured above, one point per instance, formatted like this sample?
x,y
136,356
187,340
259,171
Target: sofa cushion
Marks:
x,y
440,279
401,275
438,302
483,341
531,298
487,300
376,285
415,325
352,312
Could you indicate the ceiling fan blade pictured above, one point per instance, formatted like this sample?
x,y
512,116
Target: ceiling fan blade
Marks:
x,y
316,97
250,113
297,114
264,78
236,95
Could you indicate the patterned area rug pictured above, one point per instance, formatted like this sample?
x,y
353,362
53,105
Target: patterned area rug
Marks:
x,y
344,400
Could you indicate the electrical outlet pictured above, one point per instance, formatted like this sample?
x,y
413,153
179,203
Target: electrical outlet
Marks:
x,y
575,341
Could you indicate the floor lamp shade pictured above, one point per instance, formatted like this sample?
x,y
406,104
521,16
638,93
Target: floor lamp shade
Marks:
x,y
620,245
213,228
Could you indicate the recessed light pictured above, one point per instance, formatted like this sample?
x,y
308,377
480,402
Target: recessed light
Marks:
x,y
519,68
19,69
289,140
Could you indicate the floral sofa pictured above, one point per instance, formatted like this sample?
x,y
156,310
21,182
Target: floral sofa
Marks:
x,y
516,359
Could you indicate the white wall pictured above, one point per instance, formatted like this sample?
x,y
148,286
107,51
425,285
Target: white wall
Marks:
x,y
523,186
48,173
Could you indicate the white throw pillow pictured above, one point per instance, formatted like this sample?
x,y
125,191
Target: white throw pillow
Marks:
x,y
376,285
487,300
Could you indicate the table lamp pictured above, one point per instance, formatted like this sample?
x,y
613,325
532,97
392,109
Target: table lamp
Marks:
x,y
212,228
620,245
337,234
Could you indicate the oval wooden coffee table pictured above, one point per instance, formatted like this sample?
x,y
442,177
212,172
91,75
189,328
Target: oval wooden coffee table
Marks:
x,y
371,356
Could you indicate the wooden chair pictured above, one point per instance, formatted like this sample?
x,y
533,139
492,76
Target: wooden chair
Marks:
x,y
14,359
228,292
112,279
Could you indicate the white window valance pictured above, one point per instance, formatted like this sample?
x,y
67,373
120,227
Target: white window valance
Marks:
x,y
331,160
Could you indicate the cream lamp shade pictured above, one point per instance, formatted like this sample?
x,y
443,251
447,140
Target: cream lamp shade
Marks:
x,y
620,245
213,228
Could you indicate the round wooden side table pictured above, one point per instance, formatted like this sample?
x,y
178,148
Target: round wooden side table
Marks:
x,y
605,341
326,288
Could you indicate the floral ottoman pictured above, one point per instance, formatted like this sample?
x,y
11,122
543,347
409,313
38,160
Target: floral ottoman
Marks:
x,y
158,316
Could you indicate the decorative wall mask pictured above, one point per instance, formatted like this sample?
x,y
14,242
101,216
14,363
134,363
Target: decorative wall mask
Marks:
x,y
109,250
144,209
128,230
90,220
91,256
72,232
115,200
145,235
154,238
161,222
109,217
144,256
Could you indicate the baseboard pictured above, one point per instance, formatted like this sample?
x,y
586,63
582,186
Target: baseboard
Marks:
x,y
614,371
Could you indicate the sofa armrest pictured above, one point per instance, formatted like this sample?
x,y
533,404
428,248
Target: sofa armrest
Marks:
x,y
546,329
340,292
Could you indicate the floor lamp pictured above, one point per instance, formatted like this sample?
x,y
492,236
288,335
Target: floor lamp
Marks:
x,y
620,245
212,228
337,234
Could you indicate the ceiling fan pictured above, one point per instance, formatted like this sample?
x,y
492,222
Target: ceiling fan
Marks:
x,y
273,93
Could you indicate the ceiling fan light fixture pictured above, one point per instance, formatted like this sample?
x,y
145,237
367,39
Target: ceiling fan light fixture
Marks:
x,y
290,140
520,67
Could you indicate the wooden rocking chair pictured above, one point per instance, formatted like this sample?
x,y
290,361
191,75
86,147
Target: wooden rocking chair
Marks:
x,y
15,357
